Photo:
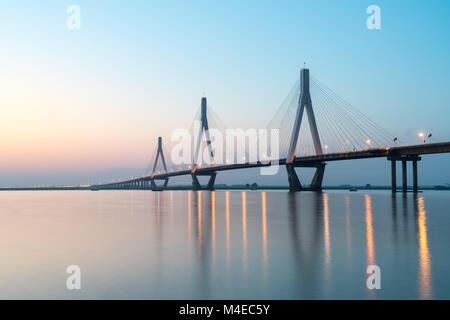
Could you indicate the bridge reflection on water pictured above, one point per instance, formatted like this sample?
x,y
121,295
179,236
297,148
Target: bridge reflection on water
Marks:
x,y
225,244
317,255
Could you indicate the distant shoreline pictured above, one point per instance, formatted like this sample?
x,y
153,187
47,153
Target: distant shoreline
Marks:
x,y
223,187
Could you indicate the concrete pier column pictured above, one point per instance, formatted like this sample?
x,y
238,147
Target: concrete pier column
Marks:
x,y
196,183
414,165
316,183
294,181
394,175
404,176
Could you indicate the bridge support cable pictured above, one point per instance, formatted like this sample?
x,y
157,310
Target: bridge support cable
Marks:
x,y
282,120
353,129
341,126
333,126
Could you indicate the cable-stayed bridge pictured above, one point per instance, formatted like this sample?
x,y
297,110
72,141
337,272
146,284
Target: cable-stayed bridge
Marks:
x,y
334,131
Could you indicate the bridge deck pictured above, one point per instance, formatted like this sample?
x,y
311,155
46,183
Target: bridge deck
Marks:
x,y
430,148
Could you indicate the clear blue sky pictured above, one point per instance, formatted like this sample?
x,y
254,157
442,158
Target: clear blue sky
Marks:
x,y
137,69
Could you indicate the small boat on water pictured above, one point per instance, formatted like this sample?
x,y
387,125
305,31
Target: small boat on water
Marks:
x,y
353,188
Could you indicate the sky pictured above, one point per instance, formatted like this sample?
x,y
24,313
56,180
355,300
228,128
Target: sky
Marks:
x,y
78,106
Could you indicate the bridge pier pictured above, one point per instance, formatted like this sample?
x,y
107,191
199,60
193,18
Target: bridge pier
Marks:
x,y
404,176
294,182
209,186
316,182
155,187
394,175
404,160
414,165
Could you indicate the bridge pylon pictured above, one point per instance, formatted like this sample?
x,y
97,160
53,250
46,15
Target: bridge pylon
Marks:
x,y
204,128
159,153
304,103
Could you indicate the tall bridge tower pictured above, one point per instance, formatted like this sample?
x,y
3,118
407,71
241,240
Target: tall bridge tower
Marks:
x,y
159,153
204,128
304,103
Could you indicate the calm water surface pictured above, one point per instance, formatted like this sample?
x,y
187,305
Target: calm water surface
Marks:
x,y
224,244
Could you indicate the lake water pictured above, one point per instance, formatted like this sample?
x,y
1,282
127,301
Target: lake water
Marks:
x,y
224,244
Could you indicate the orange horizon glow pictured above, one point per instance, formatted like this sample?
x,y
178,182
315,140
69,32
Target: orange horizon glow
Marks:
x,y
47,127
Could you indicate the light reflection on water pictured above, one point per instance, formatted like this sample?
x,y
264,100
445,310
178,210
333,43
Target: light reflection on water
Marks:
x,y
326,232
369,235
424,253
224,244
244,231
264,233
